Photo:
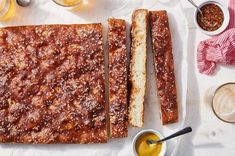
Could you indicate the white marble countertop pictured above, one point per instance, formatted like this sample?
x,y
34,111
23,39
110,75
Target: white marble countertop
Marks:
x,y
210,135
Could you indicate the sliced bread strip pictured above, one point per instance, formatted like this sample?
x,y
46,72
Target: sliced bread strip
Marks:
x,y
138,66
164,65
118,106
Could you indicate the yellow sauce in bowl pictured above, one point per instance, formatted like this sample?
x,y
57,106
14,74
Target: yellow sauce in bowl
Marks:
x,y
144,149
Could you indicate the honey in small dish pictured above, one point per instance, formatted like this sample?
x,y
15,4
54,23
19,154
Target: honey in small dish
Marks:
x,y
69,3
7,9
144,149
73,5
223,103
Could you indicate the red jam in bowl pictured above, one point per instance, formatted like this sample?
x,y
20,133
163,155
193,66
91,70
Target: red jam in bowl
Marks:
x,y
212,17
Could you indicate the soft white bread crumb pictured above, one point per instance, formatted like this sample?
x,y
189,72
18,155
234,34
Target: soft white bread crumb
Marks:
x,y
138,66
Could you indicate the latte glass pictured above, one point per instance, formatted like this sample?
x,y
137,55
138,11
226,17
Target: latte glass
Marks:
x,y
223,103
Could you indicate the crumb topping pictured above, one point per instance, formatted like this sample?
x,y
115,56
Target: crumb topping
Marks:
x,y
52,84
118,78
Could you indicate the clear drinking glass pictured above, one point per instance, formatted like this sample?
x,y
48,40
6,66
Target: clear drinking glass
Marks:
x,y
223,102
113,6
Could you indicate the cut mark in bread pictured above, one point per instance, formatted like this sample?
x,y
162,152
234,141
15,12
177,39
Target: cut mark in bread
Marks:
x,y
117,78
138,66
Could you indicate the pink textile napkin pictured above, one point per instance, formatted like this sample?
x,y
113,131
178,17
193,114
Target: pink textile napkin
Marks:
x,y
218,49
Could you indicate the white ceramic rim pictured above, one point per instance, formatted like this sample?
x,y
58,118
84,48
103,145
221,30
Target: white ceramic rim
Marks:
x,y
225,10
163,151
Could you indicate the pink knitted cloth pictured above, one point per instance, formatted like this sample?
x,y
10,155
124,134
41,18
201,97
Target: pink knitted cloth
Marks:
x,y
218,49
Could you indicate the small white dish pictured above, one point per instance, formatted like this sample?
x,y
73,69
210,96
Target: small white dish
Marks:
x,y
163,150
225,10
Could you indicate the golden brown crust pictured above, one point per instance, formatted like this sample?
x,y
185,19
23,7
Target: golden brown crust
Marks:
x,y
118,78
164,65
134,89
52,84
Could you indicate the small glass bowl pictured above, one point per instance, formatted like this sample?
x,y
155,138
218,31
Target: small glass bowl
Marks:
x,y
62,3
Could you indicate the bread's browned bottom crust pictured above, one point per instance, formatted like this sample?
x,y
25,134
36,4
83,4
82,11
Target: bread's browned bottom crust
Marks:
x,y
118,78
52,84
164,65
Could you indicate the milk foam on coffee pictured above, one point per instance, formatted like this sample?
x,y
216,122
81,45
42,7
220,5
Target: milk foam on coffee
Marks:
x,y
224,102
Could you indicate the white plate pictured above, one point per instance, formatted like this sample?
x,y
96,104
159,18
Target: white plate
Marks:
x,y
46,12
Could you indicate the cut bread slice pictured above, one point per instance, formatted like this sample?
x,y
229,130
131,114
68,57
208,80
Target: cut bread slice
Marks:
x,y
138,66
118,106
164,65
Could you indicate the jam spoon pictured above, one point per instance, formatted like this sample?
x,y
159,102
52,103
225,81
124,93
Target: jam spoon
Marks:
x,y
23,3
195,5
181,132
